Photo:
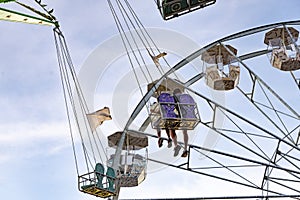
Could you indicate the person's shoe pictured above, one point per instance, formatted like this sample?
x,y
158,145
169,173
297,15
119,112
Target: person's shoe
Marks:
x,y
160,142
176,150
169,143
185,154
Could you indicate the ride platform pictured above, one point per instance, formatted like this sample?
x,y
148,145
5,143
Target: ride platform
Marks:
x,y
97,183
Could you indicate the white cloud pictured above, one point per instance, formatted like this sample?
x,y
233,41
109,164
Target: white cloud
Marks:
x,y
28,140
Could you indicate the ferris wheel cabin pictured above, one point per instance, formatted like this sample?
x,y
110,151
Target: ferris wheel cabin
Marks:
x,y
174,8
222,71
132,164
285,53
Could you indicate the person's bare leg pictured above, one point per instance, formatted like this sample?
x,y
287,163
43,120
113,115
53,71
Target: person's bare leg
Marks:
x,y
160,141
185,139
169,138
158,133
174,137
168,134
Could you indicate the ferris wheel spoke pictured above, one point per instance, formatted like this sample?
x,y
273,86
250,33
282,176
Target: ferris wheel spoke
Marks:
x,y
286,178
257,78
207,174
263,87
202,171
239,117
296,78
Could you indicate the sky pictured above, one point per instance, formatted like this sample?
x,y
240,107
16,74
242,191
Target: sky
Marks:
x,y
36,158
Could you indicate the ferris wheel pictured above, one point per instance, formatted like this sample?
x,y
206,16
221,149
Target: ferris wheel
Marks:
x,y
257,125
257,129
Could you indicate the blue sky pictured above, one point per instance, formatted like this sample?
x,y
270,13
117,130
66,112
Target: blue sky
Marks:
x,y
36,159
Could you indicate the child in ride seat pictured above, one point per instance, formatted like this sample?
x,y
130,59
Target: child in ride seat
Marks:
x,y
177,92
155,109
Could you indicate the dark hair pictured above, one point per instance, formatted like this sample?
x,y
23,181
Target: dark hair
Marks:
x,y
177,91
